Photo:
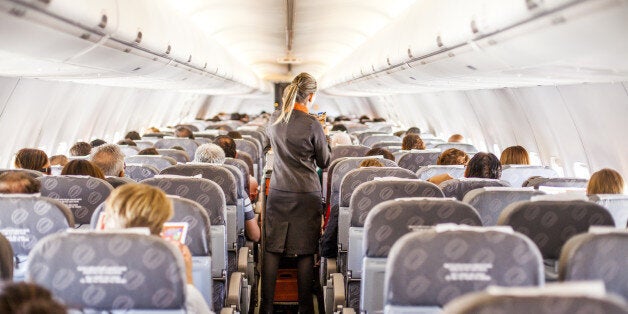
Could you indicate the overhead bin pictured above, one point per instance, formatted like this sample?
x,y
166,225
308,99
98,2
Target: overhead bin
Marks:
x,y
462,45
137,43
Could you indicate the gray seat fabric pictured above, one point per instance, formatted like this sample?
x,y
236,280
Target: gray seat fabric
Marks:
x,y
616,204
538,181
377,138
129,151
597,256
258,135
142,144
178,155
188,144
538,303
413,160
139,172
354,178
467,148
244,171
348,151
490,202
458,188
107,271
215,173
427,172
157,161
250,148
429,268
386,144
32,173
203,140
248,160
26,220
80,194
551,223
342,167
6,259
118,181
516,175
363,135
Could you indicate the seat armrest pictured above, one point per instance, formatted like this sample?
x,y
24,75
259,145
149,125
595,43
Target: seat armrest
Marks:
x,y
235,288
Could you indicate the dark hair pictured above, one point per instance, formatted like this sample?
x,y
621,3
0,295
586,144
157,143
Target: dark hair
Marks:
x,y
25,297
80,149
97,142
127,142
184,132
18,182
133,135
452,156
380,151
177,147
339,127
364,119
148,151
412,141
234,134
227,144
33,159
483,165
379,119
81,167
413,130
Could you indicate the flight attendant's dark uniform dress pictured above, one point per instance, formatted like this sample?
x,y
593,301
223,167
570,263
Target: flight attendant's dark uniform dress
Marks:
x,y
293,209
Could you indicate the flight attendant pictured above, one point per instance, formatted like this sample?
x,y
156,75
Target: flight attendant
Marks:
x,y
294,210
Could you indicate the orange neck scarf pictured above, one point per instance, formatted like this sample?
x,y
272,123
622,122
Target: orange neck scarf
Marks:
x,y
301,107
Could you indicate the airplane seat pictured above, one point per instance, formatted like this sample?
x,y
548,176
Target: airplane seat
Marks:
x,y
258,135
109,271
178,155
467,148
25,220
377,138
343,167
128,151
362,135
554,298
491,201
139,172
431,142
189,126
550,223
250,148
203,140
597,255
428,268
6,259
211,196
348,151
81,194
157,161
248,160
415,159
516,175
143,144
118,181
538,181
33,173
167,143
244,171
389,221
616,204
386,144
426,172
458,188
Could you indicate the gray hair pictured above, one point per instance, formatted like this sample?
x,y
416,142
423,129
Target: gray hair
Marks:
x,y
340,139
210,153
109,158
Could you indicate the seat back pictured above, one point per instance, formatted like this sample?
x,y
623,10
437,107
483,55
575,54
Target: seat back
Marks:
x,y
258,135
253,151
354,178
415,159
139,172
426,172
118,181
215,173
342,167
127,150
467,148
458,188
491,201
428,268
363,135
348,151
178,155
377,138
597,256
244,171
537,182
189,145
550,223
143,144
386,144
110,271
616,204
157,161
516,175
79,193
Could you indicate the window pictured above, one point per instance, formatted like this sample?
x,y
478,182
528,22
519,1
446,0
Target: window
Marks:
x,y
581,170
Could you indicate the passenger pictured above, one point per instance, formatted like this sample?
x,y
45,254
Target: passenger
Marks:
x,y
127,142
450,156
515,155
80,149
213,154
293,209
33,159
178,148
81,167
371,162
380,152
133,136
152,130
139,205
27,298
412,141
58,160
483,165
148,151
17,182
97,142
234,135
339,127
184,132
400,133
110,160
379,119
340,139
605,181
413,130
228,145
363,119
456,138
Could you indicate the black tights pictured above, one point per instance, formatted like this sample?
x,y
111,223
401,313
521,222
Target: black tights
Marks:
x,y
305,265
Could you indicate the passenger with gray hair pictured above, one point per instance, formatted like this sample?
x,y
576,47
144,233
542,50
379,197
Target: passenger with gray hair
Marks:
x,y
214,154
110,159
